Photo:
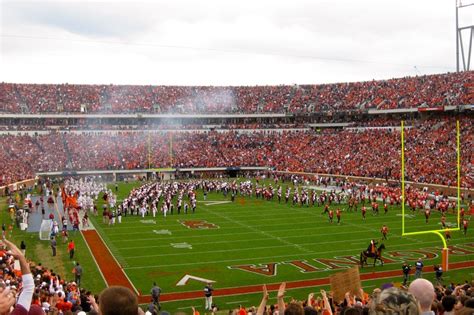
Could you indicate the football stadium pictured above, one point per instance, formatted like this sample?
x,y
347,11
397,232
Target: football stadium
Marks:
x,y
209,187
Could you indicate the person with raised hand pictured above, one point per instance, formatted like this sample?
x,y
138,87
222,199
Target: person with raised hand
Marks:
x,y
280,296
23,304
326,305
263,303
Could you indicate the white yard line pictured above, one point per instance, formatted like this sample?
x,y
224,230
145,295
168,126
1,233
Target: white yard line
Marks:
x,y
254,259
237,241
131,257
124,239
261,232
364,226
132,225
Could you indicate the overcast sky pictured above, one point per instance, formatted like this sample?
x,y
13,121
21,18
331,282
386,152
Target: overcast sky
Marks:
x,y
221,42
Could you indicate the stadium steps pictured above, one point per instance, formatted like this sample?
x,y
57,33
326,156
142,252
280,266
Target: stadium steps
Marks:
x,y
438,125
289,99
119,153
22,104
36,142
66,149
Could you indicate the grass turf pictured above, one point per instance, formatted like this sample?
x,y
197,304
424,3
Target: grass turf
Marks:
x,y
251,231
257,232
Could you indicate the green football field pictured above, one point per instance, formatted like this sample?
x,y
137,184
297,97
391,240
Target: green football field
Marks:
x,y
253,241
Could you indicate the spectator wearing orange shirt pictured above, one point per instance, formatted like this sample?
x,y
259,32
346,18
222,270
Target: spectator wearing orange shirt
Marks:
x,y
71,247
62,304
242,310
384,231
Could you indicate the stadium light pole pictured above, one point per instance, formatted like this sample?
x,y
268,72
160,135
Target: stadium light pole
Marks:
x,y
459,42
457,36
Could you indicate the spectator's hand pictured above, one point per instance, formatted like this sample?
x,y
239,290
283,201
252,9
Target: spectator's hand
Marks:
x,y
7,299
310,299
281,290
263,303
91,299
93,303
15,251
348,299
265,292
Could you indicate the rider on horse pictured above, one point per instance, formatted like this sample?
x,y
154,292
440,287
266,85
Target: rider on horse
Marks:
x,y
373,252
372,248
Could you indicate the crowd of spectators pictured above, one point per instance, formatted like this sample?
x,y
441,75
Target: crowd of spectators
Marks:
x,y
34,289
430,151
421,297
31,288
429,90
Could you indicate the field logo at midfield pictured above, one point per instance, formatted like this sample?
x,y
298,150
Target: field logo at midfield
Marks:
x,y
198,224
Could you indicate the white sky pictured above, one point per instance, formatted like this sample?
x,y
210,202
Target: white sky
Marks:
x,y
221,42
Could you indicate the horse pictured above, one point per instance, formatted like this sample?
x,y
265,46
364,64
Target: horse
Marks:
x,y
377,256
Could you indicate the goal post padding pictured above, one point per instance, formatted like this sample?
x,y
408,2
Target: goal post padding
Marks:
x,y
445,259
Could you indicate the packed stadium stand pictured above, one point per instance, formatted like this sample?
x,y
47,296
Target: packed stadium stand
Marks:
x,y
324,129
431,151
314,133
431,90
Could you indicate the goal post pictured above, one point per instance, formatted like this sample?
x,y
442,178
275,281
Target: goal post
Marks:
x,y
444,253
